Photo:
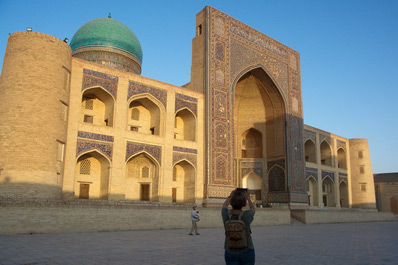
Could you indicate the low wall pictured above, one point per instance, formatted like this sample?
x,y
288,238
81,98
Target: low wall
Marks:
x,y
75,217
324,216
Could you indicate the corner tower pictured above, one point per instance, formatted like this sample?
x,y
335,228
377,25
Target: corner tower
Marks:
x,y
108,42
34,96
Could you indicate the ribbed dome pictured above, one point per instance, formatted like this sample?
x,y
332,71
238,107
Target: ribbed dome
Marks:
x,y
106,34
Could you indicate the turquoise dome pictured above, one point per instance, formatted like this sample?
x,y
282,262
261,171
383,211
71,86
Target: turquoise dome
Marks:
x,y
107,32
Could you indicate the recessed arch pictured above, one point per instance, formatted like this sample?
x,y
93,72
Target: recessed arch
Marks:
x,y
142,178
252,144
151,114
326,153
92,182
341,158
276,179
310,151
185,125
184,182
312,191
328,192
343,188
97,106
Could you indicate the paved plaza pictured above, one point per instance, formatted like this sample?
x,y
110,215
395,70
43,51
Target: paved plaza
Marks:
x,y
351,243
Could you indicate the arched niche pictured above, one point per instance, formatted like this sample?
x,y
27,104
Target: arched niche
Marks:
x,y
258,104
312,191
144,116
326,154
341,158
142,178
185,125
310,153
97,107
184,182
92,176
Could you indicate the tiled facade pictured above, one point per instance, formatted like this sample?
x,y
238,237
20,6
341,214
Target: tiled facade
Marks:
x,y
129,137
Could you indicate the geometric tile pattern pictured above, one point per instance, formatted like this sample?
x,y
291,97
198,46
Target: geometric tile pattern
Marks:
x,y
133,148
235,48
95,136
85,145
183,101
136,89
108,82
326,173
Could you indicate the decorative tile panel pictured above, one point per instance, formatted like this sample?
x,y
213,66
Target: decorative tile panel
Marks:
x,y
108,82
185,150
326,173
133,148
95,136
177,157
183,101
136,89
83,146
341,144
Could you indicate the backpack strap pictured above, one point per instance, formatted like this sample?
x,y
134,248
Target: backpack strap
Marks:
x,y
230,215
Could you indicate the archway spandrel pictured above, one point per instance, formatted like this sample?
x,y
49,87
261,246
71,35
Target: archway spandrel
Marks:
x,y
243,57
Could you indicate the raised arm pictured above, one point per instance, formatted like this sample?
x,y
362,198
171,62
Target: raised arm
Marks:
x,y
251,205
227,201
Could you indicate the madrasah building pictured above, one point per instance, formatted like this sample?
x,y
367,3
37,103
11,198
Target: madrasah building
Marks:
x,y
78,121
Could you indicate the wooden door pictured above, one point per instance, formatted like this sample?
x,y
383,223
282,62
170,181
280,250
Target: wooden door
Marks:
x,y
144,192
84,191
174,194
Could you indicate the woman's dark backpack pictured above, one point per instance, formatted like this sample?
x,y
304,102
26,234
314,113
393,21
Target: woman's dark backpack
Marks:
x,y
235,232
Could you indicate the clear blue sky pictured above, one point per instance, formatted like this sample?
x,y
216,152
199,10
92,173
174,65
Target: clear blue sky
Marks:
x,y
349,51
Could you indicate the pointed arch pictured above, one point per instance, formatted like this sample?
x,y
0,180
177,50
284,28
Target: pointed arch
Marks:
x,y
252,144
312,191
343,188
184,175
97,106
142,177
185,125
92,176
310,151
276,179
151,114
341,158
326,153
328,192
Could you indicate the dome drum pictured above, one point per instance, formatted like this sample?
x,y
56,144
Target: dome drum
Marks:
x,y
109,57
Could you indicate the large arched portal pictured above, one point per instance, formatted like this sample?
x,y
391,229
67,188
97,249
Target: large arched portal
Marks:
x,y
259,129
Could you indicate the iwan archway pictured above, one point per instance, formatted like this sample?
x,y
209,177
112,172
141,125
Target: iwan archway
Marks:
x,y
260,134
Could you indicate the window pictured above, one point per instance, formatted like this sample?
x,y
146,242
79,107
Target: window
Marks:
x,y
85,166
360,154
199,30
88,119
145,172
134,128
135,114
89,103
363,186
362,169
